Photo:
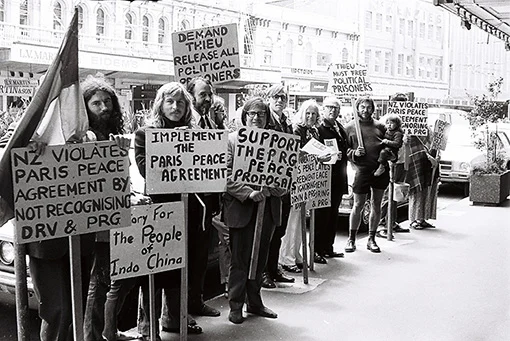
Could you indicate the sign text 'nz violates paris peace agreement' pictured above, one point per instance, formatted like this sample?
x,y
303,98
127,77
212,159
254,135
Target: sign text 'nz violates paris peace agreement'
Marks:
x,y
413,115
186,160
265,158
210,52
155,241
69,190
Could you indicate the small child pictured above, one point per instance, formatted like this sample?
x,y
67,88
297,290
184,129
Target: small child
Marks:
x,y
393,141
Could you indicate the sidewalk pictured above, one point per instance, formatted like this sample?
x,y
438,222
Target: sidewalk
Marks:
x,y
447,283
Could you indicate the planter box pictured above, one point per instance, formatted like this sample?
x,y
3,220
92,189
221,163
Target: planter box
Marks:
x,y
489,188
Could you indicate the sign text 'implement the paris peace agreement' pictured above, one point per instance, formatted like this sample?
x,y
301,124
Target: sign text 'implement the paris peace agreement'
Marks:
x,y
69,190
186,161
155,241
210,52
265,158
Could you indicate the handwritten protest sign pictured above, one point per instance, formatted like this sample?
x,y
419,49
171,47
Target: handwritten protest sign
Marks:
x,y
440,136
312,183
210,52
69,190
413,115
265,158
347,79
186,161
155,241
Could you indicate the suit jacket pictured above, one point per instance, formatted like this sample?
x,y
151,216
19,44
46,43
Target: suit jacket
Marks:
x,y
339,170
239,209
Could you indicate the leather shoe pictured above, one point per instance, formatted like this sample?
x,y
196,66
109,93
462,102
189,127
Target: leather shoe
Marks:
x,y
291,268
333,254
192,329
204,310
317,258
267,281
351,246
372,246
262,311
236,316
283,278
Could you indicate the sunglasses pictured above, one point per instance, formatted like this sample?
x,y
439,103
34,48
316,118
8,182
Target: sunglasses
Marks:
x,y
280,97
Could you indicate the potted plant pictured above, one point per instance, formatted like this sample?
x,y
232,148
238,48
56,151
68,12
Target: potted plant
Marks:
x,y
490,178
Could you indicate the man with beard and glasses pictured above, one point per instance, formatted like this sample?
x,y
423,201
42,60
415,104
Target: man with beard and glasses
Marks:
x,y
105,123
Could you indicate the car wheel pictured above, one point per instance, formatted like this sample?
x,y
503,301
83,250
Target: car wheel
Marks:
x,y
466,189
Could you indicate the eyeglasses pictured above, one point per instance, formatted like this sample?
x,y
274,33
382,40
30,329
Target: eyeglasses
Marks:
x,y
331,107
280,97
259,114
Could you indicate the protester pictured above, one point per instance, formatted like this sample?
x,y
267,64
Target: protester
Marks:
x,y
364,157
172,109
218,112
219,117
200,223
423,179
290,257
278,121
240,215
105,122
399,174
326,218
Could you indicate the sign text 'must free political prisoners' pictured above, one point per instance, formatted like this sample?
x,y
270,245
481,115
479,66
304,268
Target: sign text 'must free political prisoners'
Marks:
x,y
265,158
186,161
69,190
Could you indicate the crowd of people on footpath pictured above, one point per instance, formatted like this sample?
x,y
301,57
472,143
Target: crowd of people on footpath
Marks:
x,y
233,214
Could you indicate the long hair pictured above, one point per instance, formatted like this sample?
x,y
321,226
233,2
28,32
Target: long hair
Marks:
x,y
89,87
300,116
155,118
252,102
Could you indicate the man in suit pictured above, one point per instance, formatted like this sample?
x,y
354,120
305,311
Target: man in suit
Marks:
x,y
277,120
201,90
241,205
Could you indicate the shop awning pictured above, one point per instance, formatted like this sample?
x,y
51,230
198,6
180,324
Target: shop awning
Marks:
x,y
492,16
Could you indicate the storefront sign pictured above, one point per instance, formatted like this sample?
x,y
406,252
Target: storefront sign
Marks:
x,y
17,87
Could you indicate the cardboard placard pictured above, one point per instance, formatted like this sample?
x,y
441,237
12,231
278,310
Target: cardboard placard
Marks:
x,y
155,241
413,115
69,190
265,158
312,183
348,79
210,52
186,161
440,136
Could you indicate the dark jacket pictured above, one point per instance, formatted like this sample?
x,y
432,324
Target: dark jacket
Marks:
x,y
339,170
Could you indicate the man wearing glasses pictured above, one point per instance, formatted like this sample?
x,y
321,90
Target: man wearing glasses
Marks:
x,y
331,133
277,97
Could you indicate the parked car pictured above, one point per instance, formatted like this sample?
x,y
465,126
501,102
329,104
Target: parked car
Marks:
x,y
461,154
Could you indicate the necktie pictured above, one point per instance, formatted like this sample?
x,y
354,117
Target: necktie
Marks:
x,y
204,122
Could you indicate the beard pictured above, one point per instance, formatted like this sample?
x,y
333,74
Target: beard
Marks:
x,y
102,125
